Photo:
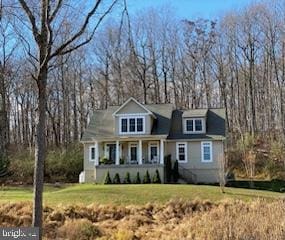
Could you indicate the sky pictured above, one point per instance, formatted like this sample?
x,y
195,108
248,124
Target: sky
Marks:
x,y
191,9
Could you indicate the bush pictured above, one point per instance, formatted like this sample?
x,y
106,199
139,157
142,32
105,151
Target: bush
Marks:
x,y
168,168
107,179
138,179
127,179
175,173
230,176
4,164
146,178
117,179
156,177
79,229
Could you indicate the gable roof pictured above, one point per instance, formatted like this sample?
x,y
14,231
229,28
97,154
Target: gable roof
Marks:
x,y
139,104
166,121
102,122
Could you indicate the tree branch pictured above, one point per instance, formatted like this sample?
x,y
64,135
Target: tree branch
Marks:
x,y
61,50
32,19
55,11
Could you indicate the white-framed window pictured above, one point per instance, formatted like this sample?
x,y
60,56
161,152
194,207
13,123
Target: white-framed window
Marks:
x,y
153,151
181,152
92,153
132,125
206,152
194,125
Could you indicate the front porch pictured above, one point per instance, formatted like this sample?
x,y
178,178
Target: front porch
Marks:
x,y
128,152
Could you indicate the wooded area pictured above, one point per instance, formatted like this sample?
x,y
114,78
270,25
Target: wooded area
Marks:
x,y
57,66
237,62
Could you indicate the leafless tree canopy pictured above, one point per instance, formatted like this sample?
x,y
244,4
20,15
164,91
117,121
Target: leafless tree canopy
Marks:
x,y
57,66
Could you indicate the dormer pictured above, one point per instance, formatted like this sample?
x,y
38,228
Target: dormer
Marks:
x,y
133,118
194,121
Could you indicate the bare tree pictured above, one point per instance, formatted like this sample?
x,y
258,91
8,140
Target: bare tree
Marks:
x,y
45,22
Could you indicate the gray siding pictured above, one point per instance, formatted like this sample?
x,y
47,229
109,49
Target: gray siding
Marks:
x,y
131,107
205,172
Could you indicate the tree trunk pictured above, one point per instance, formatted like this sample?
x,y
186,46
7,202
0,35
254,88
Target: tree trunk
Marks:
x,y
40,149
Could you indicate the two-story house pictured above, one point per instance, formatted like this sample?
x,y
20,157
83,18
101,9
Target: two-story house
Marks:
x,y
135,138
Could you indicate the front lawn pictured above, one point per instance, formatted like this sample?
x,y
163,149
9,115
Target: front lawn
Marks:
x,y
130,194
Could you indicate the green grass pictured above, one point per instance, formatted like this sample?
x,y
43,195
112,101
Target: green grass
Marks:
x,y
131,194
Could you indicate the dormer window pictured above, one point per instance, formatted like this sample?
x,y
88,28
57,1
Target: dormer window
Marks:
x,y
132,125
194,125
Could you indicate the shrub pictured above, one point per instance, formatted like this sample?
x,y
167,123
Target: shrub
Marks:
x,y
168,168
107,179
4,164
117,179
127,179
156,177
138,179
79,229
175,173
146,178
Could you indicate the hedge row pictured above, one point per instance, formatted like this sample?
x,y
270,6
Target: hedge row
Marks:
x,y
127,179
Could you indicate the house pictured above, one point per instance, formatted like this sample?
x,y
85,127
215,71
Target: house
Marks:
x,y
135,138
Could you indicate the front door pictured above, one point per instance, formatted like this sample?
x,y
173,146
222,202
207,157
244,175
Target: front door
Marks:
x,y
111,152
134,152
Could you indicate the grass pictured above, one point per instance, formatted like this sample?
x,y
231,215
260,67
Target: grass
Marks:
x,y
131,194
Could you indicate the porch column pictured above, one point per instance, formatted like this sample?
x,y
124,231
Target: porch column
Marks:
x,y
140,152
117,153
161,155
96,153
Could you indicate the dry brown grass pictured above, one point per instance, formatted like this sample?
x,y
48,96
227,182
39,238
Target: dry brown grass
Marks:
x,y
201,220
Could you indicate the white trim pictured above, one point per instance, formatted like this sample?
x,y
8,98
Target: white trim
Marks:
x,y
132,99
90,153
140,152
194,125
151,144
186,151
211,152
131,116
117,161
161,159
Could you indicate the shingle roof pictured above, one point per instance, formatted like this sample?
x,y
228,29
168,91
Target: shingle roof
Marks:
x,y
215,124
167,122
102,123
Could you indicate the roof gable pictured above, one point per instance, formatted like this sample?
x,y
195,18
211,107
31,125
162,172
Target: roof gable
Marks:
x,y
132,106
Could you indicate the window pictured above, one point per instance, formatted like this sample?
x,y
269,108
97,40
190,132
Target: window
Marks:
x,y
181,152
194,125
132,125
198,125
139,125
206,151
189,125
124,125
92,153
